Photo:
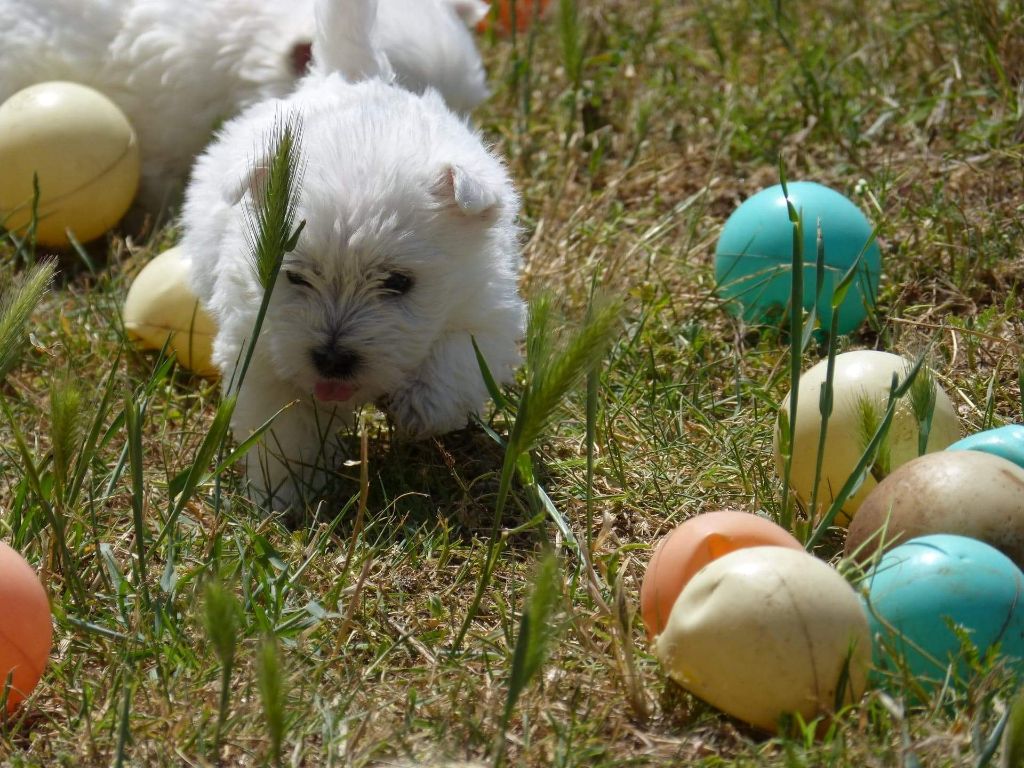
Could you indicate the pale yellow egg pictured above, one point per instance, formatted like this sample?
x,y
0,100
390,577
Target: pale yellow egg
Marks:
x,y
162,306
862,376
84,152
765,632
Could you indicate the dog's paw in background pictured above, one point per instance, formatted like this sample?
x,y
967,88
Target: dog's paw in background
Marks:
x,y
449,388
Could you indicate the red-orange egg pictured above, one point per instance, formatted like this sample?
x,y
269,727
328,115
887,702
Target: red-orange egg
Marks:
x,y
501,17
25,629
692,545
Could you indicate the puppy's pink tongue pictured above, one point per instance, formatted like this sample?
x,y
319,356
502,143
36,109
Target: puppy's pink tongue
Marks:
x,y
333,391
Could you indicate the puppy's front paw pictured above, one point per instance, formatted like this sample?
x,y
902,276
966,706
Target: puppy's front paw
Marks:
x,y
421,410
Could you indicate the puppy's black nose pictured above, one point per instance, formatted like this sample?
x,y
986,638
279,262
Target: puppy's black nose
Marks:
x,y
334,363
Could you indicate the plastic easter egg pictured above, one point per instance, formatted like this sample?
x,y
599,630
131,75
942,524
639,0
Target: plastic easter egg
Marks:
x,y
919,587
692,545
754,256
161,306
27,632
501,17
863,375
1007,442
767,631
84,152
967,493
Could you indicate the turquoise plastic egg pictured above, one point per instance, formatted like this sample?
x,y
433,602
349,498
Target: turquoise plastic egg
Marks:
x,y
918,588
1007,442
754,256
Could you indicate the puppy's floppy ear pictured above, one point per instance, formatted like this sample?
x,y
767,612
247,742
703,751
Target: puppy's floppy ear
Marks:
x,y
253,181
469,194
470,11
300,56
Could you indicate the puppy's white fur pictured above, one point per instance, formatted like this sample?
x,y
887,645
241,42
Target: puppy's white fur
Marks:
x,y
395,184
178,68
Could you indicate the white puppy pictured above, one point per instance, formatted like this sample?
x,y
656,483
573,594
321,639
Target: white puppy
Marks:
x,y
178,68
408,254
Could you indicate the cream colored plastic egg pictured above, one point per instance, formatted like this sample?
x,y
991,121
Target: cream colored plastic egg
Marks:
x,y
84,152
862,374
161,304
765,632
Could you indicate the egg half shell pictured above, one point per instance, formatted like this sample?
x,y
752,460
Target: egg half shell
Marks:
x,y
765,632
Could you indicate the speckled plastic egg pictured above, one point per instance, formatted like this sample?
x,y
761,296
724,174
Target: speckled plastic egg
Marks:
x,y
918,588
965,493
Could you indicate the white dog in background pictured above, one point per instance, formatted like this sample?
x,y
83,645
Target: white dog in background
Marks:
x,y
409,253
178,68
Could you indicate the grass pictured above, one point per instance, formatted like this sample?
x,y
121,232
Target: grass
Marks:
x,y
633,130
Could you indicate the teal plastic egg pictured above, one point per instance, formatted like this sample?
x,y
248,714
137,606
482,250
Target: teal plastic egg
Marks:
x,y
1007,442
754,256
919,588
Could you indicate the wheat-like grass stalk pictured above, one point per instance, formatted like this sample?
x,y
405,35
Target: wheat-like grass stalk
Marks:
x,y
16,305
556,361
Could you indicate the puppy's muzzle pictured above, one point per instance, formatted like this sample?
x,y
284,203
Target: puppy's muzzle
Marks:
x,y
335,363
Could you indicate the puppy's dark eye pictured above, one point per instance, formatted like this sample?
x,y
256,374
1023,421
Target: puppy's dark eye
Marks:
x,y
296,279
397,283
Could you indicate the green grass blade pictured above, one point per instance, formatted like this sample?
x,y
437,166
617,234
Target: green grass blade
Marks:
x,y
66,417
553,366
124,725
569,36
795,342
215,437
221,613
819,283
500,402
186,478
825,404
271,230
923,395
16,305
536,630
554,371
91,441
271,687
68,565
1013,735
136,462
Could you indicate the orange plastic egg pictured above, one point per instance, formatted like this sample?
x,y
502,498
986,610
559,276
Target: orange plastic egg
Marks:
x,y
692,545
25,630
501,17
